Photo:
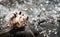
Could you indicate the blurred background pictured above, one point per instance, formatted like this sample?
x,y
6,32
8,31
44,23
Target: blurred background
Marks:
x,y
44,16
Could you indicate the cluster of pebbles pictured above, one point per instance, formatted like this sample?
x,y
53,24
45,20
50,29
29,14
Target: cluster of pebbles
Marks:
x,y
44,15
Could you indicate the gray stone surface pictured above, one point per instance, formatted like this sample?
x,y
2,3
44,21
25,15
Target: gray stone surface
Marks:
x,y
44,15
